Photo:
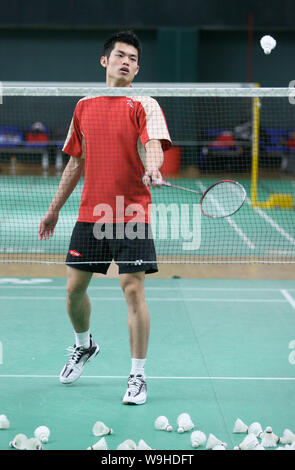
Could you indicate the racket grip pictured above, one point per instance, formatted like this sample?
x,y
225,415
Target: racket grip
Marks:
x,y
158,181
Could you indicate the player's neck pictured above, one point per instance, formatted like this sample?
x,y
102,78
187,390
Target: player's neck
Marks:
x,y
111,82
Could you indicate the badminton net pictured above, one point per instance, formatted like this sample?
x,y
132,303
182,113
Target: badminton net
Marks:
x,y
242,133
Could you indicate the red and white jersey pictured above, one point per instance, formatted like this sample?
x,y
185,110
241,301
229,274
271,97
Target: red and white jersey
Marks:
x,y
111,134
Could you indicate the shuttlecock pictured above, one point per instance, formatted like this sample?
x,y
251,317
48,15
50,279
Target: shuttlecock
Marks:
x,y
218,447
100,429
128,444
42,433
4,422
198,438
255,428
99,445
240,426
268,43
259,447
162,424
249,443
213,442
185,423
268,438
290,446
19,442
288,437
142,445
33,444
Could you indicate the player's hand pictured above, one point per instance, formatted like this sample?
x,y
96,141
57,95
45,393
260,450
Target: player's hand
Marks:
x,y
47,225
152,177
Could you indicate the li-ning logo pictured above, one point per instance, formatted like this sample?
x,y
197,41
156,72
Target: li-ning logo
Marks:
x,y
130,103
74,253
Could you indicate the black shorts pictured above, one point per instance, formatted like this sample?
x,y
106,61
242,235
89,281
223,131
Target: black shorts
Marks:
x,y
90,251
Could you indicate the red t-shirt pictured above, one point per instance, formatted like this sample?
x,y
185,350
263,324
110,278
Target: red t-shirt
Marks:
x,y
111,133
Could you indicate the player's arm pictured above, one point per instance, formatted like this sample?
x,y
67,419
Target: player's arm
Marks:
x,y
154,161
68,182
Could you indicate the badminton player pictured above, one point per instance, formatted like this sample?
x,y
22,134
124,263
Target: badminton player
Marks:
x,y
114,141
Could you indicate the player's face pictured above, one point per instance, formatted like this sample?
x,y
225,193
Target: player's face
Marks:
x,y
122,64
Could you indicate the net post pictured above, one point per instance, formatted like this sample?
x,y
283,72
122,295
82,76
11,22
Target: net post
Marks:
x,y
255,149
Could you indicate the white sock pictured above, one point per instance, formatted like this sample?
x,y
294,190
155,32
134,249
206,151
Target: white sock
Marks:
x,y
137,366
83,339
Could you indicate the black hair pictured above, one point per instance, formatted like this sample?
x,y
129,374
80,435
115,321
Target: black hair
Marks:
x,y
128,37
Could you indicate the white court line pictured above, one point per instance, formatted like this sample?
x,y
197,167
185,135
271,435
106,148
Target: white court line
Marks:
x,y
153,299
288,297
229,220
28,376
274,224
230,289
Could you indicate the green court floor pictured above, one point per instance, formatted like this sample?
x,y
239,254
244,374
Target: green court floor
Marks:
x,y
219,350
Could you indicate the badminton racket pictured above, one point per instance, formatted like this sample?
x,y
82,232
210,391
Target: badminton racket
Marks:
x,y
221,199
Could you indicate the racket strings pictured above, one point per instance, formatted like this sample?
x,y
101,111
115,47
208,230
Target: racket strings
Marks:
x,y
223,199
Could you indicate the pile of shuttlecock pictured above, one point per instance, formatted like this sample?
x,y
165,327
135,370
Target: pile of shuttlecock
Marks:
x,y
256,437
259,439
185,424
23,442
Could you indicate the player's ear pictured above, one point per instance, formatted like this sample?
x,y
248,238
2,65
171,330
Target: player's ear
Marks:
x,y
137,70
103,61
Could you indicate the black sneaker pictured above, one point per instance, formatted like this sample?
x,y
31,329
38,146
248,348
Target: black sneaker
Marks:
x,y
136,393
78,358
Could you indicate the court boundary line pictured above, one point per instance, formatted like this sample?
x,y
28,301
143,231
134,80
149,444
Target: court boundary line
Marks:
x,y
152,377
254,289
288,297
154,299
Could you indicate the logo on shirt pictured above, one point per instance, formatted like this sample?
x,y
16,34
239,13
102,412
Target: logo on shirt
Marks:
x,y
130,103
75,253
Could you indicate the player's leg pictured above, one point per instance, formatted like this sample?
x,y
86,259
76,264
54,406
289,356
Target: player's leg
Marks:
x,y
139,328
83,247
138,315
78,308
77,300
136,257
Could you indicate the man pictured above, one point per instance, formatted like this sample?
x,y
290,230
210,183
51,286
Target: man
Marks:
x,y
119,142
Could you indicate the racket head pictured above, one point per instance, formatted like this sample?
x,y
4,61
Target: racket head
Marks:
x,y
223,199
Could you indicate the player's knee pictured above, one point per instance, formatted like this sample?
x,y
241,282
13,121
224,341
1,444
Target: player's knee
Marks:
x,y
75,290
133,290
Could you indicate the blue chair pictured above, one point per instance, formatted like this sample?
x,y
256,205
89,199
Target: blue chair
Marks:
x,y
11,136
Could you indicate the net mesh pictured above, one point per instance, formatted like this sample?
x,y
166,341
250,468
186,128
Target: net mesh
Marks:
x,y
244,134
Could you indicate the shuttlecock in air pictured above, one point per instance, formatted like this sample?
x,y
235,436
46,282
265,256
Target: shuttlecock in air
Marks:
x,y
213,442
33,444
142,445
128,444
268,438
19,442
240,426
249,443
288,437
99,445
198,438
268,43
184,423
255,428
42,433
100,429
4,422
